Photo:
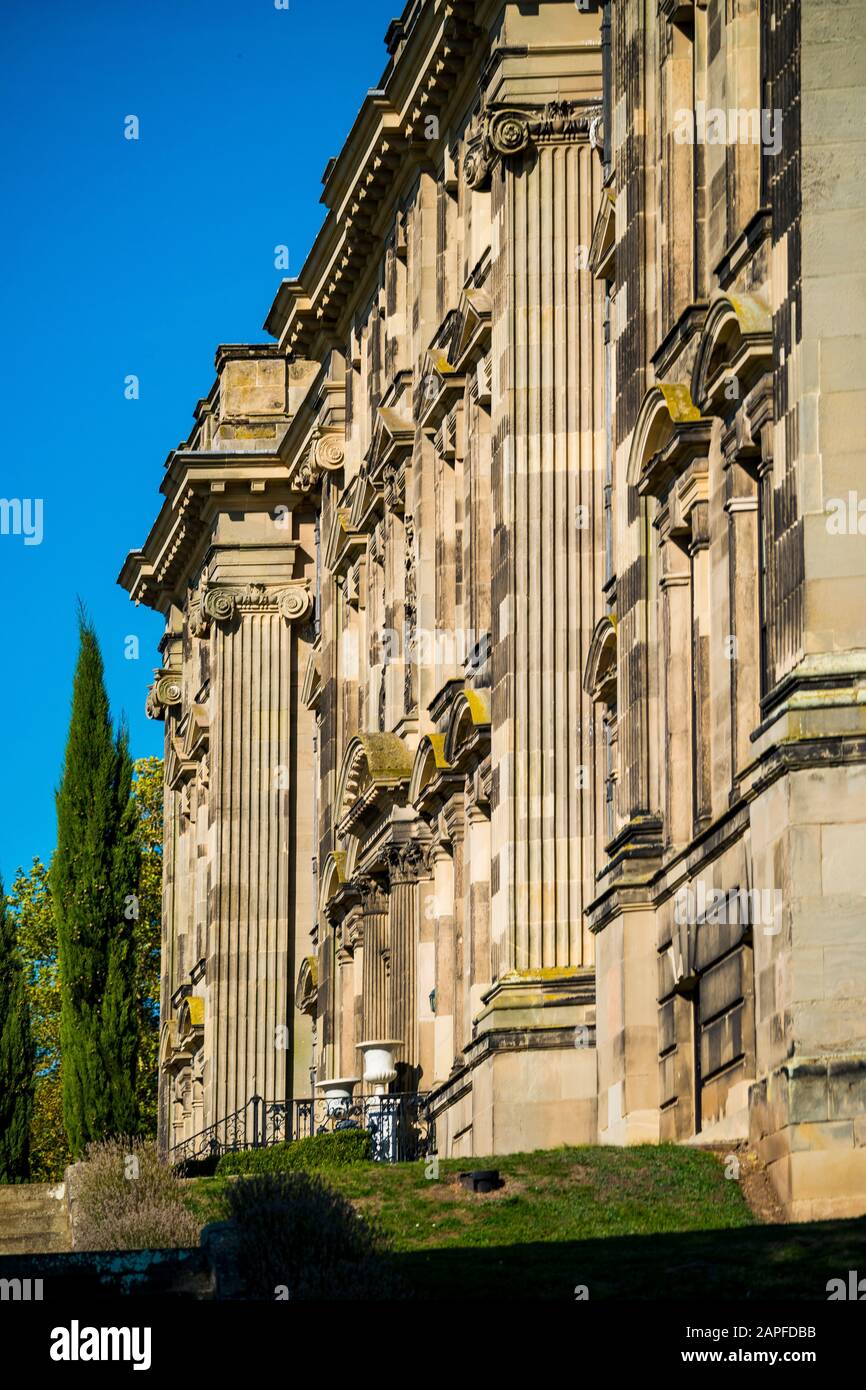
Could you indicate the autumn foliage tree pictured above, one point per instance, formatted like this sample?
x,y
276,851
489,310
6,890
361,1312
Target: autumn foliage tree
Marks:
x,y
147,795
32,909
16,1056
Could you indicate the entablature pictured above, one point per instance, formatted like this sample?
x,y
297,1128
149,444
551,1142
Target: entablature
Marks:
x,y
199,488
544,92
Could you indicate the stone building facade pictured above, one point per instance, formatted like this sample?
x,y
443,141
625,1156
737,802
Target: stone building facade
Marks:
x,y
514,673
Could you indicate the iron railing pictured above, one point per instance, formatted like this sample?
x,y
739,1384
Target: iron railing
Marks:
x,y
399,1127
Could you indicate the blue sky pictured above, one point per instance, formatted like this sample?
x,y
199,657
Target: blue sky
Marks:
x,y
136,257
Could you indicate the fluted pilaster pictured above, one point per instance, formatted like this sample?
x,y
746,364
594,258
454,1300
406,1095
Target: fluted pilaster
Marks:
x,y
374,984
257,783
404,865
547,488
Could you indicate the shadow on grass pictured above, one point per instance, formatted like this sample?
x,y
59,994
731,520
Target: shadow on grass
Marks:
x,y
752,1262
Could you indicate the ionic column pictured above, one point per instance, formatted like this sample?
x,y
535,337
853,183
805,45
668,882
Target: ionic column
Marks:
x,y
699,550
476,912
442,863
345,1053
374,984
258,905
741,505
453,827
548,501
675,587
403,868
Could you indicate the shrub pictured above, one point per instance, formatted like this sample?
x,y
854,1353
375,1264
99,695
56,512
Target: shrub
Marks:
x,y
317,1151
126,1198
294,1232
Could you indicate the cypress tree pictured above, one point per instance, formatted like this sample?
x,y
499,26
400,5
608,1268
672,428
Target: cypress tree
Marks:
x,y
17,1059
93,881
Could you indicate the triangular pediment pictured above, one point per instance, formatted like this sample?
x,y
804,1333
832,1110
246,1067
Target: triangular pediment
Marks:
x,y
343,543
312,686
392,442
461,342
366,504
602,248
475,314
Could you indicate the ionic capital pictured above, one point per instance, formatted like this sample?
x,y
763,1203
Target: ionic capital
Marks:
x,y
504,133
329,451
210,605
293,602
326,454
165,692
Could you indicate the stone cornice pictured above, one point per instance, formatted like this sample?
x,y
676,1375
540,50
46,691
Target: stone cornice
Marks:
x,y
197,487
389,133
435,67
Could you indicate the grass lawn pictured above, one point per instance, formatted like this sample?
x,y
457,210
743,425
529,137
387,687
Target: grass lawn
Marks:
x,y
655,1221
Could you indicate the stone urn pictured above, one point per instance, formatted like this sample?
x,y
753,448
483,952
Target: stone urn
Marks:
x,y
379,1068
337,1093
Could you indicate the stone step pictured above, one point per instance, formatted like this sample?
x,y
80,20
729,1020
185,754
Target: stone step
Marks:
x,y
41,1243
32,1204
13,1194
22,1222
33,1218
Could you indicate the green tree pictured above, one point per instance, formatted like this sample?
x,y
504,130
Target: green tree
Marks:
x,y
94,876
31,906
16,1056
147,791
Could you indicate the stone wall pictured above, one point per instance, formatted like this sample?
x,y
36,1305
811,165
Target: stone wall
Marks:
x,y
513,669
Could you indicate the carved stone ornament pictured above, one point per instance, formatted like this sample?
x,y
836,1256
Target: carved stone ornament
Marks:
x,y
371,894
508,132
395,489
307,474
220,605
168,690
254,598
165,691
329,452
505,133
296,603
476,165
198,623
405,862
376,545
326,454
410,615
